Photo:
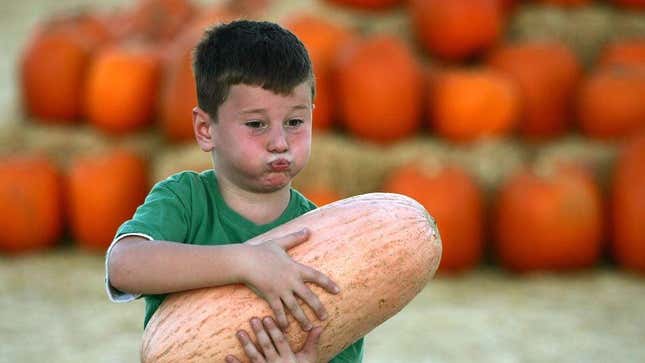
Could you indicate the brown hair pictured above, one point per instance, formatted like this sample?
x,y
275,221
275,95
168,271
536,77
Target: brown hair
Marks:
x,y
256,53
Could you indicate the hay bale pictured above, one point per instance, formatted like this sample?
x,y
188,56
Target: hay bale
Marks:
x,y
176,158
12,137
349,166
353,167
585,29
596,155
491,160
64,142
394,21
628,24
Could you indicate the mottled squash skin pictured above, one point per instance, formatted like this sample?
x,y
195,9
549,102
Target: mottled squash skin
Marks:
x,y
380,248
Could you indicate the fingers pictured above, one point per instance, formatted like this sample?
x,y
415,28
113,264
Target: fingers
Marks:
x,y
278,310
293,306
273,344
310,348
279,340
293,239
313,301
320,279
249,348
263,340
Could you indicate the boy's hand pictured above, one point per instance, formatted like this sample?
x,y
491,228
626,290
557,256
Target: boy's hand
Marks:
x,y
273,345
278,279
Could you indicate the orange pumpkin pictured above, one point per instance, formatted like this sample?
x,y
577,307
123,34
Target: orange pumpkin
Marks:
x,y
52,74
122,89
178,97
369,4
628,206
623,53
457,29
454,199
508,5
158,20
321,195
631,4
379,96
104,191
549,220
178,90
31,204
466,105
611,103
323,113
548,75
323,40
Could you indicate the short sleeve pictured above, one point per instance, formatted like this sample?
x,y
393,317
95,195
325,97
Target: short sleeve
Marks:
x,y
114,294
162,216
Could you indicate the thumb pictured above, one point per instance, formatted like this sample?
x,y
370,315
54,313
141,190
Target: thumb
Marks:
x,y
310,348
293,239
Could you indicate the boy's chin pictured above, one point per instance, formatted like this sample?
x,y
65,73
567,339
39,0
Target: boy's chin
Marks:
x,y
267,189
274,185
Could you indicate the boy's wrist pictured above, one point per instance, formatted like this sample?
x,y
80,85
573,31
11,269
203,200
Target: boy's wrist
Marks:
x,y
240,257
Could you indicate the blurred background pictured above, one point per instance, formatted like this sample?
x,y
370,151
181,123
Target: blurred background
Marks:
x,y
518,124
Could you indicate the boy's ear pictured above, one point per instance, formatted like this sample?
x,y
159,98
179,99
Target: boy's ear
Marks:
x,y
203,127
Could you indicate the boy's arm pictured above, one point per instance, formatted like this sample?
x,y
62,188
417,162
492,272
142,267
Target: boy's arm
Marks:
x,y
140,266
137,265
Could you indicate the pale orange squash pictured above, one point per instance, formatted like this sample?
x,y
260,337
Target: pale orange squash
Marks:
x,y
380,248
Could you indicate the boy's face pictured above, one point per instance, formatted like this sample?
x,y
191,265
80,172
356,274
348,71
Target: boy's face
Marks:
x,y
262,139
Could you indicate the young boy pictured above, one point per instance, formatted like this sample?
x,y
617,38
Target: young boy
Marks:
x,y
255,88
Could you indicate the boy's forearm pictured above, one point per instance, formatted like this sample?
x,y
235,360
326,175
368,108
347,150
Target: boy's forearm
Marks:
x,y
156,267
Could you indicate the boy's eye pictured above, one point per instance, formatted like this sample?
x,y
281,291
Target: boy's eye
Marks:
x,y
255,124
294,122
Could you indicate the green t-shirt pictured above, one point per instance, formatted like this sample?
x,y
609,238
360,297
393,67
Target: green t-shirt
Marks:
x,y
187,207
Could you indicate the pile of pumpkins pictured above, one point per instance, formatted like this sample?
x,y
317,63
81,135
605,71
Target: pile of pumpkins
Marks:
x,y
129,71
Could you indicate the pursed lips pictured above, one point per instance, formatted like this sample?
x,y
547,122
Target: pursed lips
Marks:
x,y
278,165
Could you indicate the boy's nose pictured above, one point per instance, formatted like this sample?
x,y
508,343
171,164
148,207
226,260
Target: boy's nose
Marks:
x,y
278,141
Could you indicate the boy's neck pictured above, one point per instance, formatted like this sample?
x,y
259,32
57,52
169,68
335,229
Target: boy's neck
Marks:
x,y
259,208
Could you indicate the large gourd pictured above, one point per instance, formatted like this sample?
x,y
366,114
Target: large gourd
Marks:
x,y
380,248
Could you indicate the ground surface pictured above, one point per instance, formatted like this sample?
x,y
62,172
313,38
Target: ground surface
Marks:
x,y
53,308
